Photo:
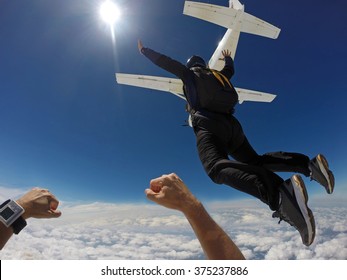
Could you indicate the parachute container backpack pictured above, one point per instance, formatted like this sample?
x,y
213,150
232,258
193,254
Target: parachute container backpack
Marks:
x,y
215,92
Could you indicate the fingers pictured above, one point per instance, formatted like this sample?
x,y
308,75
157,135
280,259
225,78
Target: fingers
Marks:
x,y
226,53
150,194
53,201
40,203
157,184
156,197
53,204
171,177
53,213
139,45
174,177
169,191
47,198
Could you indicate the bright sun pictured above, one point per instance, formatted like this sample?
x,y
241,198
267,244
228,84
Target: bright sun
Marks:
x,y
109,12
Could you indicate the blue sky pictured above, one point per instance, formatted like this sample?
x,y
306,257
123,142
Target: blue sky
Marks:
x,y
66,125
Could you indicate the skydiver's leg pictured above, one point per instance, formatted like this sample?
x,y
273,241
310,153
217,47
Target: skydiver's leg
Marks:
x,y
244,153
239,147
274,161
254,180
317,168
286,162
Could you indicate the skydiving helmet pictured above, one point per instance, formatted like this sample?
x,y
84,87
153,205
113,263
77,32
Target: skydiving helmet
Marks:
x,y
195,61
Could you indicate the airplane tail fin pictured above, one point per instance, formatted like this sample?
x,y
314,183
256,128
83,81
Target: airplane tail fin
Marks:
x,y
231,17
235,4
256,26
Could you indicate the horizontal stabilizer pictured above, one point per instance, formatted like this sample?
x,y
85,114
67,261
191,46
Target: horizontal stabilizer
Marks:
x,y
172,85
219,15
253,25
252,95
230,17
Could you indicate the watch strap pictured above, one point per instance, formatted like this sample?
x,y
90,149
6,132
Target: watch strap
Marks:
x,y
4,203
18,225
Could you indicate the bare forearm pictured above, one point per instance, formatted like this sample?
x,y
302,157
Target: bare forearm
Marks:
x,y
214,241
171,192
5,235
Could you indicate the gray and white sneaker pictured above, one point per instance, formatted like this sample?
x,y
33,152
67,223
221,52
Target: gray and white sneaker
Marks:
x,y
321,173
294,210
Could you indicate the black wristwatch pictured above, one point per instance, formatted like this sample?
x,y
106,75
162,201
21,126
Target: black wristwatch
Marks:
x,y
11,215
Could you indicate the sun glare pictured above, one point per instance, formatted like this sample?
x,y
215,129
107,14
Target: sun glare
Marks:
x,y
109,12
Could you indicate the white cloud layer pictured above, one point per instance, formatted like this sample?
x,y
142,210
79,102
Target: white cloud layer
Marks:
x,y
6,193
147,232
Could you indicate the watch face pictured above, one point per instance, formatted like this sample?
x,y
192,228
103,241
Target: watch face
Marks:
x,y
6,213
10,212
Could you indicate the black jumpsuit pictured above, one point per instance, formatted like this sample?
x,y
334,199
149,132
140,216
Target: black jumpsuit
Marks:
x,y
220,135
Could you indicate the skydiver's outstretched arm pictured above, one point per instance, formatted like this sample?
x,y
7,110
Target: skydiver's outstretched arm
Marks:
x,y
37,203
165,62
171,192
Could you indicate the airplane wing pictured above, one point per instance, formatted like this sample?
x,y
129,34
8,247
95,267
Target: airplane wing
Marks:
x,y
252,95
175,86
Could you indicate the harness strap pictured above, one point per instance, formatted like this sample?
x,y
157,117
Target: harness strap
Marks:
x,y
220,77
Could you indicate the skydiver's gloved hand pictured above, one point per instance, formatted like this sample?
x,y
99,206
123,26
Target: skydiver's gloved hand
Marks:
x,y
171,192
39,203
140,46
226,53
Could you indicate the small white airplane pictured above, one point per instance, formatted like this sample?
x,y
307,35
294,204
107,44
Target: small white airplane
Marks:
x,y
236,20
